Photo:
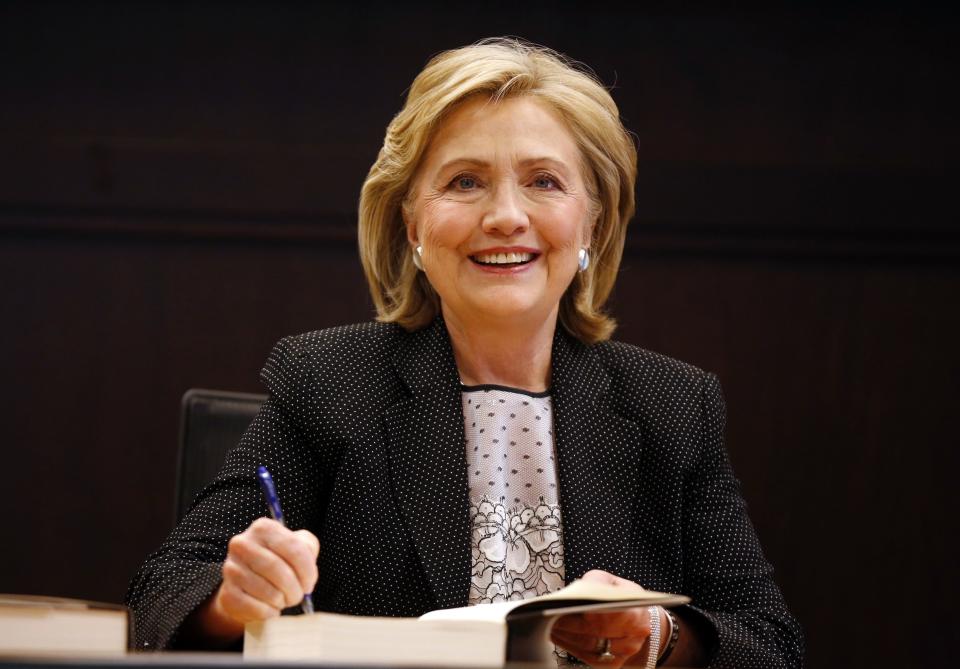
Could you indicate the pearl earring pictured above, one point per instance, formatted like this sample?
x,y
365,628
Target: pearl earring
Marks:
x,y
583,260
417,259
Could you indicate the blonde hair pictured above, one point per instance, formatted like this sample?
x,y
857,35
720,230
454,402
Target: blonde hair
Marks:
x,y
499,68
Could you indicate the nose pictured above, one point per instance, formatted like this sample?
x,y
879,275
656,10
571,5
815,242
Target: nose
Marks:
x,y
505,214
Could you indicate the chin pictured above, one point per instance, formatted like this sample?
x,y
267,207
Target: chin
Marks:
x,y
507,309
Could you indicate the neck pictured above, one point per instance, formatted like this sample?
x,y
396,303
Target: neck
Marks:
x,y
514,355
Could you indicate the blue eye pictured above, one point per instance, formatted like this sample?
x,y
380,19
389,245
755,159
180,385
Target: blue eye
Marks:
x,y
545,181
464,182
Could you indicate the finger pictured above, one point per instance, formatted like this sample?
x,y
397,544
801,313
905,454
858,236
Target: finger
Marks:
x,y
589,648
634,621
242,607
310,539
601,576
297,551
572,622
259,559
310,574
236,574
573,642
588,641
612,624
591,625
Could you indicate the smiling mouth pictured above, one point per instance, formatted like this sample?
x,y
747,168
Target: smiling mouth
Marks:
x,y
503,259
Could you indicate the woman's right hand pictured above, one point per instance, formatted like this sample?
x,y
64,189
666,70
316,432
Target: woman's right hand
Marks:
x,y
268,568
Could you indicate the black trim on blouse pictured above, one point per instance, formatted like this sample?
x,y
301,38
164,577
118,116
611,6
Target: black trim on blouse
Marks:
x,y
492,386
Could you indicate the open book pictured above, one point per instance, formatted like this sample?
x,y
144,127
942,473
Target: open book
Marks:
x,y
486,635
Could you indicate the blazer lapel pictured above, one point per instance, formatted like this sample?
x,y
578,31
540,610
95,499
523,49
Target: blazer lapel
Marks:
x,y
598,456
428,463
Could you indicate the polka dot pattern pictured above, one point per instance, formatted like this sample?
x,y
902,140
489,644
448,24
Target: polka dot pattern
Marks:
x,y
516,543
509,439
364,434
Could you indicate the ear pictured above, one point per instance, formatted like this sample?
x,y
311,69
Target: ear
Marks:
x,y
587,236
412,236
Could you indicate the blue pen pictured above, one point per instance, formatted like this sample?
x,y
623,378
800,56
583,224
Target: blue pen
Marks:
x,y
273,503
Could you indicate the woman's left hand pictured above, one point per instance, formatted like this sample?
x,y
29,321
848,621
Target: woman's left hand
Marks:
x,y
628,630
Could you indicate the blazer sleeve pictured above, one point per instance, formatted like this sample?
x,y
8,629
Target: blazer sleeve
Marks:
x,y
729,580
186,569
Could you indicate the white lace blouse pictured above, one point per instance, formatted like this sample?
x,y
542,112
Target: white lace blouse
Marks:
x,y
517,539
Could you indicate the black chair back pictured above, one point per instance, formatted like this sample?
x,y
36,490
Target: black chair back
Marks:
x,y
211,423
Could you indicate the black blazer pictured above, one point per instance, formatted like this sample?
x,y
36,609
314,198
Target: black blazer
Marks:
x,y
363,432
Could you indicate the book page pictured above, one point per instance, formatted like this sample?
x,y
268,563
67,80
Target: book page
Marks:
x,y
496,612
340,639
586,594
601,592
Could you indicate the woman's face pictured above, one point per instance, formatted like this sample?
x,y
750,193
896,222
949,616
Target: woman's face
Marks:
x,y
501,210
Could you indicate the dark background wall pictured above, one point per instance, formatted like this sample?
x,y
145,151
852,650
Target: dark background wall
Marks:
x,y
178,187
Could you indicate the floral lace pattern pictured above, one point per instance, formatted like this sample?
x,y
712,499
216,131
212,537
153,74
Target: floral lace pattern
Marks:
x,y
517,551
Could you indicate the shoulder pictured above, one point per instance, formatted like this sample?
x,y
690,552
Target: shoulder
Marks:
x,y
677,407
646,384
624,359
339,344
347,356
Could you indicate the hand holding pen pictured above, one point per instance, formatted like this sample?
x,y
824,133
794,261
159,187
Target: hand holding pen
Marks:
x,y
273,504
268,568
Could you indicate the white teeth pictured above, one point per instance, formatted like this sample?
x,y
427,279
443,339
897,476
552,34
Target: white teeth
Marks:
x,y
502,258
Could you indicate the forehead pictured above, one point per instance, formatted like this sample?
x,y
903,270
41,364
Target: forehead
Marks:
x,y
520,127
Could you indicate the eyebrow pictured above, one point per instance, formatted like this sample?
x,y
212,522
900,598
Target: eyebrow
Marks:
x,y
477,162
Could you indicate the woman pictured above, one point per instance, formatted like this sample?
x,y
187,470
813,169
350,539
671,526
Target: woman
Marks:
x,y
484,440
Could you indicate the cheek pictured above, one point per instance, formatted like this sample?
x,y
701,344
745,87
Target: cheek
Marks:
x,y
570,232
441,224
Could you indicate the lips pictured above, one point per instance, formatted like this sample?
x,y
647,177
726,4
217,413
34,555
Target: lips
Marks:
x,y
503,258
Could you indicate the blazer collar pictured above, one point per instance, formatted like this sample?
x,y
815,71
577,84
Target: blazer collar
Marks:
x,y
596,456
